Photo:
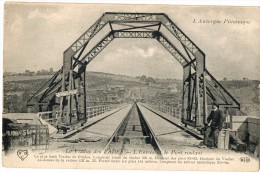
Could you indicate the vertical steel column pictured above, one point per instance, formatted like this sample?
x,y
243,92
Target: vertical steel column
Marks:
x,y
200,71
189,101
67,70
197,96
40,108
186,78
182,104
82,99
205,101
85,96
69,108
61,113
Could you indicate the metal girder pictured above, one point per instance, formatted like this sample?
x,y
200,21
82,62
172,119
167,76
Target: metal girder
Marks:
x,y
133,34
50,87
185,40
149,26
97,49
132,27
133,16
49,83
125,18
85,37
219,93
157,17
172,49
44,89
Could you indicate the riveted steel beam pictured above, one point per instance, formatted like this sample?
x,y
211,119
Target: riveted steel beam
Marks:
x,y
135,25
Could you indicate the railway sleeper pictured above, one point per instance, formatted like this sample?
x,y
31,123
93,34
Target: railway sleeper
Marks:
x,y
133,139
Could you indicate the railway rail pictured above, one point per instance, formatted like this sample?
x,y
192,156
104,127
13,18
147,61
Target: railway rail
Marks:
x,y
133,129
132,134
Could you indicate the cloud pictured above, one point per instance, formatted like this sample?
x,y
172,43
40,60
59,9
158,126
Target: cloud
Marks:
x,y
129,57
37,35
17,25
35,14
144,53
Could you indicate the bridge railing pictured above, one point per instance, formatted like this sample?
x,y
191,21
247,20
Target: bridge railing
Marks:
x,y
93,111
170,110
97,110
47,116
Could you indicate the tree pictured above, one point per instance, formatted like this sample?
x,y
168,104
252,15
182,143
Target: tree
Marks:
x,y
15,103
27,72
143,77
150,80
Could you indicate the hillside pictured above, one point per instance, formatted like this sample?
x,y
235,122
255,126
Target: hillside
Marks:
x,y
111,87
247,93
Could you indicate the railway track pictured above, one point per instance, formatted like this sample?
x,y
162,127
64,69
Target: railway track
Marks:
x,y
73,133
170,135
133,135
134,129
187,130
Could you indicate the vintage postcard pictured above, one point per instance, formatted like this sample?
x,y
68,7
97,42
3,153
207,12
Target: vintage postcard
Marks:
x,y
148,87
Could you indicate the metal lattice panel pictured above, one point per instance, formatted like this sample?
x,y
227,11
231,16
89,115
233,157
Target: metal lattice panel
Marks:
x,y
135,25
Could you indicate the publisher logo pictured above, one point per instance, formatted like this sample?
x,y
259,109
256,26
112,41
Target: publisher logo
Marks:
x,y
245,159
22,154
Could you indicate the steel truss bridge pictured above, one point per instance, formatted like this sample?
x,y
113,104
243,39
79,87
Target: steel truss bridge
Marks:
x,y
65,92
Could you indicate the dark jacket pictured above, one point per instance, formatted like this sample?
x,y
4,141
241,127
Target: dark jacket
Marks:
x,y
217,119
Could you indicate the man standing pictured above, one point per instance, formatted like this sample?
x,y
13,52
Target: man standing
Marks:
x,y
213,126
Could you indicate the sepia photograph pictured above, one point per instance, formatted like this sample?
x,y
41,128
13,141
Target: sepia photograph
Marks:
x,y
131,87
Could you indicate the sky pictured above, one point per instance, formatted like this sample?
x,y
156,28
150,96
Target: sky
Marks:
x,y
36,35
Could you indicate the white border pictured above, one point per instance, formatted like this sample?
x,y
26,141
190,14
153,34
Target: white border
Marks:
x,y
173,2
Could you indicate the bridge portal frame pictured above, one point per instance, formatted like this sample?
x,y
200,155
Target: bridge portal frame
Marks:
x,y
73,72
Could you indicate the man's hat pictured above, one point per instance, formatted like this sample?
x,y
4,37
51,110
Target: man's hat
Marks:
x,y
215,103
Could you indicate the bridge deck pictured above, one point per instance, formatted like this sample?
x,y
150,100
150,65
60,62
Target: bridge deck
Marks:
x,y
90,122
171,138
95,134
176,141
106,127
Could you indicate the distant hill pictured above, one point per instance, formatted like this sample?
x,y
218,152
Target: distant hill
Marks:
x,y
247,94
13,78
153,89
